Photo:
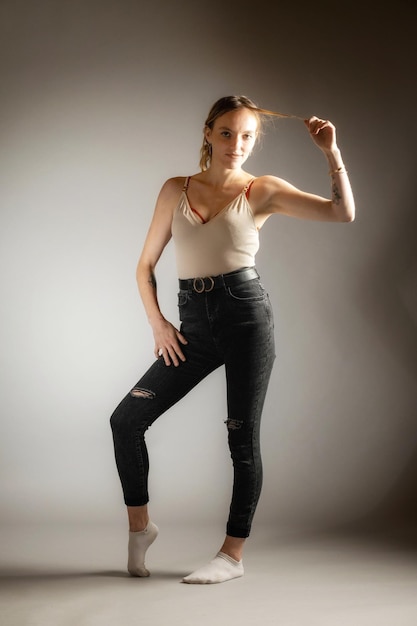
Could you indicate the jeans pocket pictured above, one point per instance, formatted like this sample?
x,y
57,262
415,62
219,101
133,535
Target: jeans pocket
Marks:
x,y
249,291
183,297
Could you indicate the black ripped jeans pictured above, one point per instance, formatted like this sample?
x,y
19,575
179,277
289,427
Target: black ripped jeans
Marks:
x,y
230,326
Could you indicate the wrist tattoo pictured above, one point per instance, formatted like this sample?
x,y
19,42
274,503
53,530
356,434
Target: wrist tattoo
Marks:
x,y
152,280
336,197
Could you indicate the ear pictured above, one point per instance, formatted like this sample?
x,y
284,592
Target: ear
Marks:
x,y
207,133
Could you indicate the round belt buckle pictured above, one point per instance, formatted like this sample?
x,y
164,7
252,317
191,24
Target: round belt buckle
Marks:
x,y
199,284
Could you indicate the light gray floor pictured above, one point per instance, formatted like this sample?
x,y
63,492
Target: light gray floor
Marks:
x,y
74,575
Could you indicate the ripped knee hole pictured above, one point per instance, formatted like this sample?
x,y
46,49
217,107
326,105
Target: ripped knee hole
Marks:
x,y
234,424
139,392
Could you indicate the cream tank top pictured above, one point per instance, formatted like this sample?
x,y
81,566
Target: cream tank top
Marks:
x,y
227,242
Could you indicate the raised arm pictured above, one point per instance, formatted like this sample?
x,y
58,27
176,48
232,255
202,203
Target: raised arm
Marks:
x,y
168,339
277,196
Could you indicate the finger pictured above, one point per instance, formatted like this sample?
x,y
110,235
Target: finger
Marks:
x,y
313,124
182,338
165,355
173,357
316,124
176,350
170,355
319,125
162,352
313,120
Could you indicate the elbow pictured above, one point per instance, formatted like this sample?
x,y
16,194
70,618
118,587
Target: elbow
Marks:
x,y
142,269
145,264
349,217
342,212
350,211
344,218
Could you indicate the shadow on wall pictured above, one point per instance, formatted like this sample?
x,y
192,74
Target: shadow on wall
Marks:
x,y
388,295
389,301
398,509
393,523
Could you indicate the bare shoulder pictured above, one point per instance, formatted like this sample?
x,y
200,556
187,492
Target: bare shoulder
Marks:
x,y
172,187
160,229
265,190
169,194
270,184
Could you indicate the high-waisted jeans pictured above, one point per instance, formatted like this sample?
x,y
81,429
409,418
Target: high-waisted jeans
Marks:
x,y
230,326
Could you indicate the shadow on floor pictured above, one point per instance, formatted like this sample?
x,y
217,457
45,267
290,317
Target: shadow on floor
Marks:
x,y
25,574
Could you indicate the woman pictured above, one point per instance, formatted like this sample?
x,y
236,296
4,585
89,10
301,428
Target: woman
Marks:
x,y
214,218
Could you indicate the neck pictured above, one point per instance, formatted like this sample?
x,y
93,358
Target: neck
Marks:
x,y
222,177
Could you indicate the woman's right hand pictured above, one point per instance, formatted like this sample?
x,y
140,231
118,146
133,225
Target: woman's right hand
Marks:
x,y
168,342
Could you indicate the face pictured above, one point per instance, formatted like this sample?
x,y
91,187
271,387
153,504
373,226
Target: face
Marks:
x,y
233,137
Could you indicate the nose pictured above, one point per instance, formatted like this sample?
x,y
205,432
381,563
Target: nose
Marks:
x,y
237,143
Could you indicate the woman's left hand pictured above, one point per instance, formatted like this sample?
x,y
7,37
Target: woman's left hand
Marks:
x,y
322,132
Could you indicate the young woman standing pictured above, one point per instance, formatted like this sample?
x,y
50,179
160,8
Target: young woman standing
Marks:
x,y
214,218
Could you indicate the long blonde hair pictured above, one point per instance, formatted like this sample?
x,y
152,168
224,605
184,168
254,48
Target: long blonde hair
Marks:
x,y
232,103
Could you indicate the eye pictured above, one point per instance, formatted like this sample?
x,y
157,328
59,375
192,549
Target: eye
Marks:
x,y
248,136
225,133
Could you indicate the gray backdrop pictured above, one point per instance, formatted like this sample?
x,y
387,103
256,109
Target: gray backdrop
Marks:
x,y
101,102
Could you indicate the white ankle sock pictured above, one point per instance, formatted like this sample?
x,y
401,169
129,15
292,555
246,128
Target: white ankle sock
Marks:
x,y
139,542
220,569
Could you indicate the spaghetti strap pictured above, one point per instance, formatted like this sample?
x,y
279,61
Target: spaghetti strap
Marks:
x,y
186,183
246,188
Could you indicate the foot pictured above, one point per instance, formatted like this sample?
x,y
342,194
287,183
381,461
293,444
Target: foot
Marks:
x,y
139,542
220,569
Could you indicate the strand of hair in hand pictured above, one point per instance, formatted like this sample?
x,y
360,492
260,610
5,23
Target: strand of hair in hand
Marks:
x,y
277,114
